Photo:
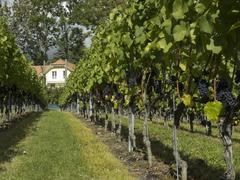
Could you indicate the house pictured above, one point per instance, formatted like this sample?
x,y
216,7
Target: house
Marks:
x,y
56,73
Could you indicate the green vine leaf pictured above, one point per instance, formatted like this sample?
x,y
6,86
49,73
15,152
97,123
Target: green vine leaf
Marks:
x,y
162,44
167,24
183,66
179,32
213,48
127,39
187,100
140,35
179,9
212,110
200,8
205,25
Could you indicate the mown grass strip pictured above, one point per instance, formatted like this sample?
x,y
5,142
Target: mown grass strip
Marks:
x,y
59,147
102,163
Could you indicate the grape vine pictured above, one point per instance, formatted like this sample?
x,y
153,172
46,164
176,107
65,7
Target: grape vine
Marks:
x,y
20,88
170,55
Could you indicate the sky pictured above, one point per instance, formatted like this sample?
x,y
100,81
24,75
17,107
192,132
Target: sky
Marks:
x,y
9,1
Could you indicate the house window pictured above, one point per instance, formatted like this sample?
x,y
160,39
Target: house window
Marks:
x,y
54,74
64,74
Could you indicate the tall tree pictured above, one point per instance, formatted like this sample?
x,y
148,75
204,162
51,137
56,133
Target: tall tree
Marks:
x,y
39,26
35,28
70,42
46,25
91,13
5,11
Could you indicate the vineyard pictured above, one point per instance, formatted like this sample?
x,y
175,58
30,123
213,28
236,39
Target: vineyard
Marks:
x,y
21,91
162,77
177,61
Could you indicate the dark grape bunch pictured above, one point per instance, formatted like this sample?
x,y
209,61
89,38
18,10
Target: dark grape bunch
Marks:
x,y
132,82
106,90
226,98
157,84
222,85
237,77
172,80
203,88
3,90
119,97
83,98
181,87
225,95
115,88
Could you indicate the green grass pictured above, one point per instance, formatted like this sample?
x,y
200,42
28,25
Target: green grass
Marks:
x,y
204,154
55,145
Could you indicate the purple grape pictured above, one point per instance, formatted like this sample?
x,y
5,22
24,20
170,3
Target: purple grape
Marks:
x,y
226,97
203,88
237,77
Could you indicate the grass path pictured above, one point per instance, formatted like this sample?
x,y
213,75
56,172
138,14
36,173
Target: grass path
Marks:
x,y
57,146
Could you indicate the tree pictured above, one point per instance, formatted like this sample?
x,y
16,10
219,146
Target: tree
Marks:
x,y
70,40
46,26
55,24
91,13
35,29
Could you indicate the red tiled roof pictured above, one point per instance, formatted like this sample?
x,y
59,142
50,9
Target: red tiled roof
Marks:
x,y
38,69
71,66
59,63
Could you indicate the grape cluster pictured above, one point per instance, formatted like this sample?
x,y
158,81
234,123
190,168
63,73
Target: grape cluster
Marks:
x,y
157,84
237,77
132,82
203,88
83,98
3,90
181,87
225,95
222,85
172,80
115,88
106,90
119,97
226,98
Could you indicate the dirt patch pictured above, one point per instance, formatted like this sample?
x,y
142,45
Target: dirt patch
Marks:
x,y
136,161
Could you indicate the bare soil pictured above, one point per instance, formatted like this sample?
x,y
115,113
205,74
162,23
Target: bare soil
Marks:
x,y
136,161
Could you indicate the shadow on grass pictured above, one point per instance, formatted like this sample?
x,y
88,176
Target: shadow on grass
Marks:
x,y
204,134
195,131
197,168
10,137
